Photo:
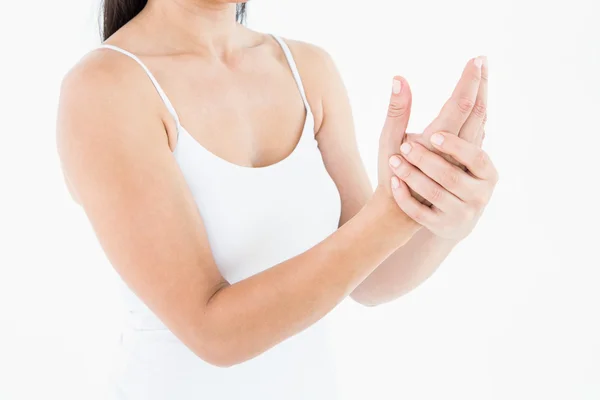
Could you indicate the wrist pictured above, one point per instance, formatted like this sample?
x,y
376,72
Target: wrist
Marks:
x,y
390,217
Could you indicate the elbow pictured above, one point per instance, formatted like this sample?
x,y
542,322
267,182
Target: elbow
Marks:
x,y
221,343
218,358
372,296
367,303
219,361
219,355
219,352
364,299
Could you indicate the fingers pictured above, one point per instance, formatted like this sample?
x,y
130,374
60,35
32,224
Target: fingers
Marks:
x,y
425,141
472,129
480,137
398,115
468,154
448,176
420,213
424,185
458,108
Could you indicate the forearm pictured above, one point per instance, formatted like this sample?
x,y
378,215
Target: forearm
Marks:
x,y
405,269
445,166
251,316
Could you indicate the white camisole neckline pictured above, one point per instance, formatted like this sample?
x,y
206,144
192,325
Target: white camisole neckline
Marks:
x,y
181,130
254,218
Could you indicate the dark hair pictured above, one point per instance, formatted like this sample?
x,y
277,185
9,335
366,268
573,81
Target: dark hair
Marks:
x,y
116,13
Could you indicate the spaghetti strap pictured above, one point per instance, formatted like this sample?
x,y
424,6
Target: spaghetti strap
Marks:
x,y
294,68
159,89
288,55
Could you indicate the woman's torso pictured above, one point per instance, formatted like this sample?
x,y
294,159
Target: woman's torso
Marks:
x,y
255,218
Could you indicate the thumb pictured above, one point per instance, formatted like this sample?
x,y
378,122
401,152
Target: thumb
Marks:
x,y
398,115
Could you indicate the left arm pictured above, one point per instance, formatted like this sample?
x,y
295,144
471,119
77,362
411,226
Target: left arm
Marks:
x,y
404,270
448,178
413,263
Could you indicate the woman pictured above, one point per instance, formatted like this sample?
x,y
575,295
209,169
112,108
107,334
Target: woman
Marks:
x,y
229,195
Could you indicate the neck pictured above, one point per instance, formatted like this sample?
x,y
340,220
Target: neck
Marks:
x,y
202,26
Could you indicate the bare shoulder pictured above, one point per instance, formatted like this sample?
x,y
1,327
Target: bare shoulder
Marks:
x,y
316,64
95,76
103,102
105,88
309,51
103,78
319,74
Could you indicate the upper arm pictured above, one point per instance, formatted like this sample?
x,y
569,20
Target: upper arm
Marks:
x,y
116,158
334,126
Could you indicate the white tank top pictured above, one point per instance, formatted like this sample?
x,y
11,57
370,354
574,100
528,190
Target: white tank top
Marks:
x,y
255,218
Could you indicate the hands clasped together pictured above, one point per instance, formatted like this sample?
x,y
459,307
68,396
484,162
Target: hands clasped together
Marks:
x,y
441,178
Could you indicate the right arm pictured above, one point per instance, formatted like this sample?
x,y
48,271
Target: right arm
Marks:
x,y
117,162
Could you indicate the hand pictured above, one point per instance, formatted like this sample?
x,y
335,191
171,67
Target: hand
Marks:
x,y
392,136
394,130
464,114
458,197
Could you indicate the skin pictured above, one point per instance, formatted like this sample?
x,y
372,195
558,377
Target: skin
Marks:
x,y
115,139
430,172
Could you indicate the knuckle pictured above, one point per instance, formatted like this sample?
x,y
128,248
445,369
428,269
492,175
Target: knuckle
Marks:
x,y
404,172
452,161
449,178
482,160
416,155
480,201
417,216
397,109
465,105
468,214
480,110
436,194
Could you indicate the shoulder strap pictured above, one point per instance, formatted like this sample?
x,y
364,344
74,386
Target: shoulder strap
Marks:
x,y
294,68
159,89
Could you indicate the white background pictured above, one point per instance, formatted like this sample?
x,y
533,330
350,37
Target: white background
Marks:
x,y
512,314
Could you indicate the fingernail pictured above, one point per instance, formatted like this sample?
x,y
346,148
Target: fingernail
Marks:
x,y
395,161
405,148
437,139
395,182
396,86
478,62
